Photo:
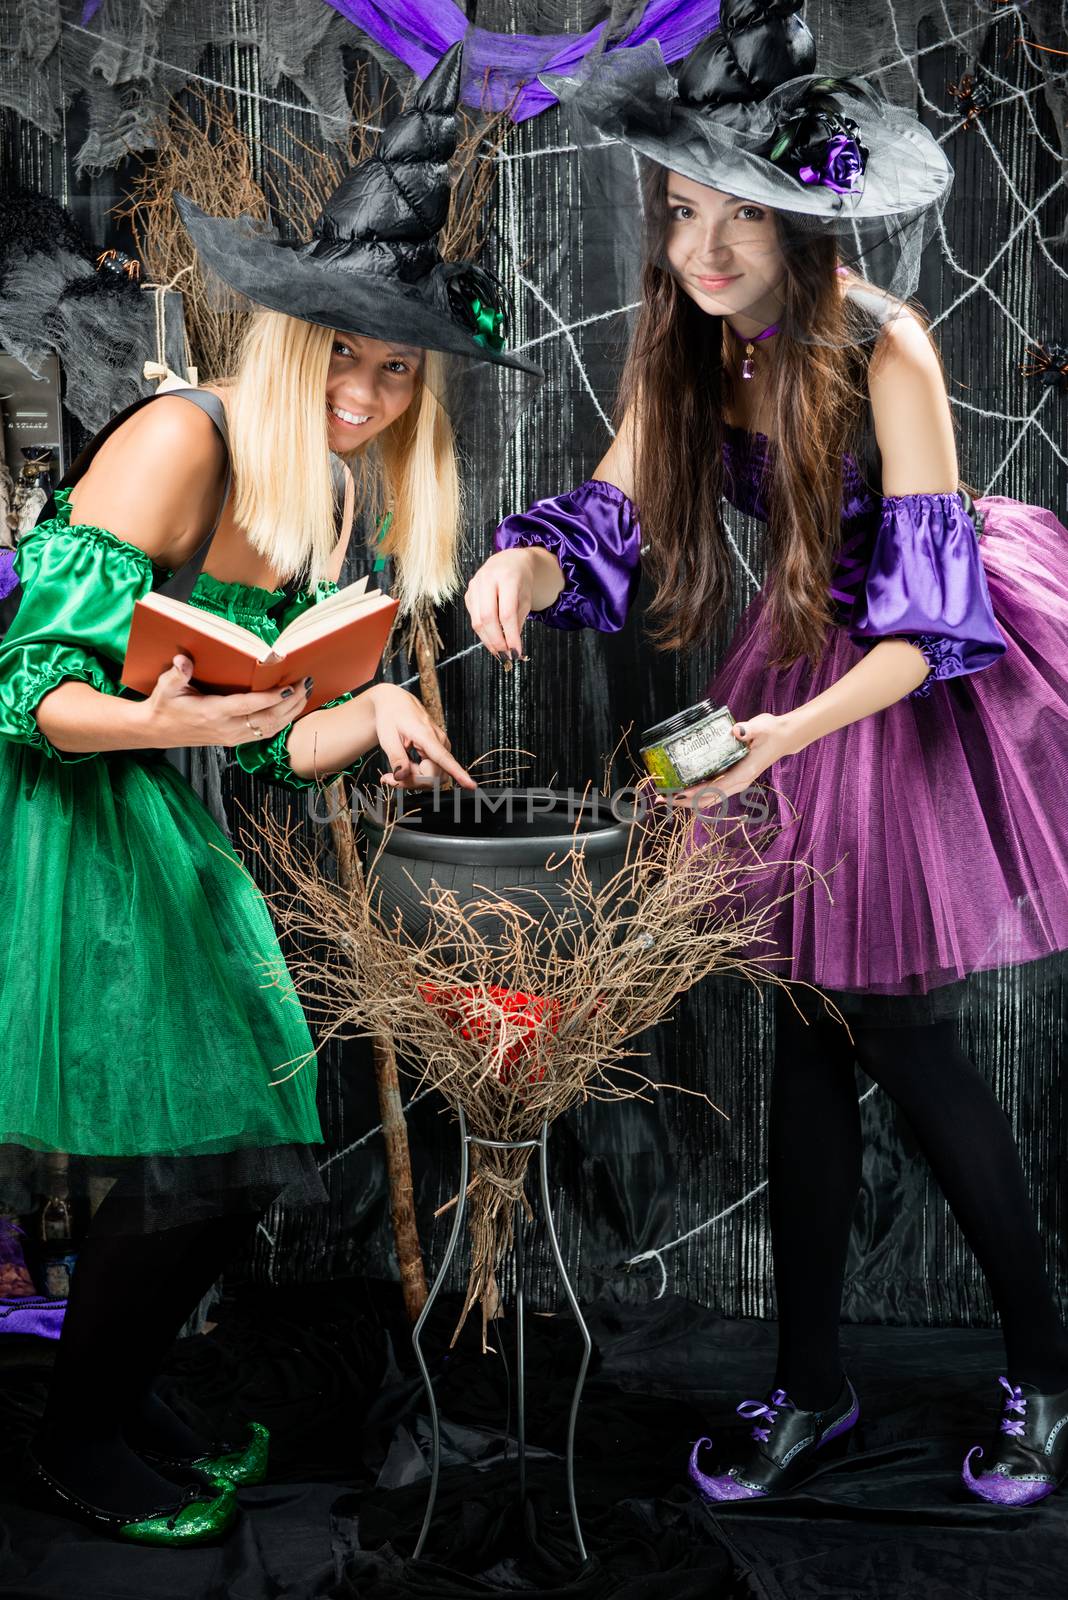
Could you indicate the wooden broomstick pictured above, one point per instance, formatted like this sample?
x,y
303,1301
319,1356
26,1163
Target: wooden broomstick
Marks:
x,y
387,1078
208,155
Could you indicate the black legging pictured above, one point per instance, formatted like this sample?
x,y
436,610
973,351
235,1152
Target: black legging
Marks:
x,y
814,1177
129,1297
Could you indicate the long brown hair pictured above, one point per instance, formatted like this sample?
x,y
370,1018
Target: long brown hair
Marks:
x,y
679,385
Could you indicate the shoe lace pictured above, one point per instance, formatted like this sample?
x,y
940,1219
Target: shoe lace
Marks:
x,y
191,1493
1016,1403
754,1410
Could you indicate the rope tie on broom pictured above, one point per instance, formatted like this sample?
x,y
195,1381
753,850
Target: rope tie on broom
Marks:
x,y
158,371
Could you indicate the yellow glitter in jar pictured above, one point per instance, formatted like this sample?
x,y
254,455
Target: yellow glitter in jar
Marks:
x,y
691,746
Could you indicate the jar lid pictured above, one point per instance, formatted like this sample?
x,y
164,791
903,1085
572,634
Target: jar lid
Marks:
x,y
701,712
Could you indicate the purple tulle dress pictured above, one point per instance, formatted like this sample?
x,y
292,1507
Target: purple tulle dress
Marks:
x,y
940,822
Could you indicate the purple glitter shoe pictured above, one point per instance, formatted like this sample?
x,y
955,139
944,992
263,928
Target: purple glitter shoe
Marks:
x,y
785,1442
1030,1452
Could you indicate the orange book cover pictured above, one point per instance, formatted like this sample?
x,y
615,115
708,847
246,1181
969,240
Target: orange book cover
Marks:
x,y
339,643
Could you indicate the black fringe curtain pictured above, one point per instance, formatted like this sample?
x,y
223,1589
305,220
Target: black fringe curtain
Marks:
x,y
668,1197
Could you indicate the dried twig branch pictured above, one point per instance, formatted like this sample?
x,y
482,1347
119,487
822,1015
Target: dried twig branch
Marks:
x,y
519,1009
202,151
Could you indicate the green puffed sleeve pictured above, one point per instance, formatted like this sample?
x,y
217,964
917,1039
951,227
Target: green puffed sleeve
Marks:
x,y
79,586
269,758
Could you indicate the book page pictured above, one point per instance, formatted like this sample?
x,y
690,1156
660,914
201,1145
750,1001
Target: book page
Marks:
x,y
323,620
328,613
207,622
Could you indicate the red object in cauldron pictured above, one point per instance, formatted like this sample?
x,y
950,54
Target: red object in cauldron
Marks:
x,y
480,1013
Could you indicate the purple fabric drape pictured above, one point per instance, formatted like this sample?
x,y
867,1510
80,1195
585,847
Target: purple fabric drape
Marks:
x,y
500,66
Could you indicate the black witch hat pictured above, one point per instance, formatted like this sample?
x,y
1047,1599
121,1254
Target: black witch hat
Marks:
x,y
372,265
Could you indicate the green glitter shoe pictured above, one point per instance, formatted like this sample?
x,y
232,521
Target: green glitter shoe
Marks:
x,y
238,1465
196,1517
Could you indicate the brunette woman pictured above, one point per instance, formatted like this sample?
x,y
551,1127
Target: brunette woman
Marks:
x,y
902,676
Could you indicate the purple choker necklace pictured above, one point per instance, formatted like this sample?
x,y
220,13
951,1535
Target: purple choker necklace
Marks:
x,y
747,363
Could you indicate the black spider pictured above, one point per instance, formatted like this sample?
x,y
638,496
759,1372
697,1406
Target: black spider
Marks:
x,y
120,263
972,95
1048,363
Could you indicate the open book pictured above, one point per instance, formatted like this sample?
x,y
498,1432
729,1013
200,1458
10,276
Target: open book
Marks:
x,y
338,642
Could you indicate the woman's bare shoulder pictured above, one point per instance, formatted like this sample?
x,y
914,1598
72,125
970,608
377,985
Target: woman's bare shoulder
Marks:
x,y
170,432
156,482
617,465
910,407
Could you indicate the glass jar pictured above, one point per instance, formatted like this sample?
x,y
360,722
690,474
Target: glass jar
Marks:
x,y
691,746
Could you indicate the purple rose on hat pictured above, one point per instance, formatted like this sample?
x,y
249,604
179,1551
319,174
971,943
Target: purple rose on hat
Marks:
x,y
817,145
841,166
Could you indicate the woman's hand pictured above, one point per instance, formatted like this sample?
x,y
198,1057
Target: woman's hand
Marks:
x,y
505,590
179,715
401,723
769,739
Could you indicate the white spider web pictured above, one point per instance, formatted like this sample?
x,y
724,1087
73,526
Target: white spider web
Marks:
x,y
1020,286
1013,432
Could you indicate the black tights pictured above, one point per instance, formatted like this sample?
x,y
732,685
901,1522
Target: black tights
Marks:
x,y
814,1179
129,1297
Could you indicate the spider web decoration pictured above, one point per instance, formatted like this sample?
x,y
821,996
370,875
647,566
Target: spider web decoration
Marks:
x,y
656,1198
993,290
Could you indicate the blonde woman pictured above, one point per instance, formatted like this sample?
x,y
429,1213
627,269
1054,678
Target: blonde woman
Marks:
x,y
150,1030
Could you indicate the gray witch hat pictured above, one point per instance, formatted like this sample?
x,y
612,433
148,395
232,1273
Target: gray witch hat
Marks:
x,y
372,265
748,114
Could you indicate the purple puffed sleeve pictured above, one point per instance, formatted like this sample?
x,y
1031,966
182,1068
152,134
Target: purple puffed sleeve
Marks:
x,y
593,532
926,580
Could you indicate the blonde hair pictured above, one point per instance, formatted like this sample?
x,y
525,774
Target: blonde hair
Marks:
x,y
410,473
283,488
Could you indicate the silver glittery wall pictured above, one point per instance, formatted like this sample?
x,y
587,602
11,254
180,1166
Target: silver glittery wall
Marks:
x,y
666,1197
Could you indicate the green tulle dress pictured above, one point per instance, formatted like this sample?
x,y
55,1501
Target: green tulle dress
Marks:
x,y
150,1029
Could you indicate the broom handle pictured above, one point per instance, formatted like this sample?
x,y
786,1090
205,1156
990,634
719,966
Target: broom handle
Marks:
x,y
390,1104
429,687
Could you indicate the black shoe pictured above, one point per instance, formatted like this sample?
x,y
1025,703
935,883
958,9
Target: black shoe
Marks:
x,y
1029,1456
785,1442
198,1515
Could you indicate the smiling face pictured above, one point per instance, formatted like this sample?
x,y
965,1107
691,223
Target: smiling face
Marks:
x,y
725,253
369,384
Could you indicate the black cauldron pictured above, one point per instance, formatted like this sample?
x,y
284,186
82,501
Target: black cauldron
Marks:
x,y
494,842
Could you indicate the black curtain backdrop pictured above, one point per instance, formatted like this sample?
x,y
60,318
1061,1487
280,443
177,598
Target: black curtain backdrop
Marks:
x,y
667,1199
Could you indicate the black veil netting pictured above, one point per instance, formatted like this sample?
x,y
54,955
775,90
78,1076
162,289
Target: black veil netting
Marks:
x,y
857,187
